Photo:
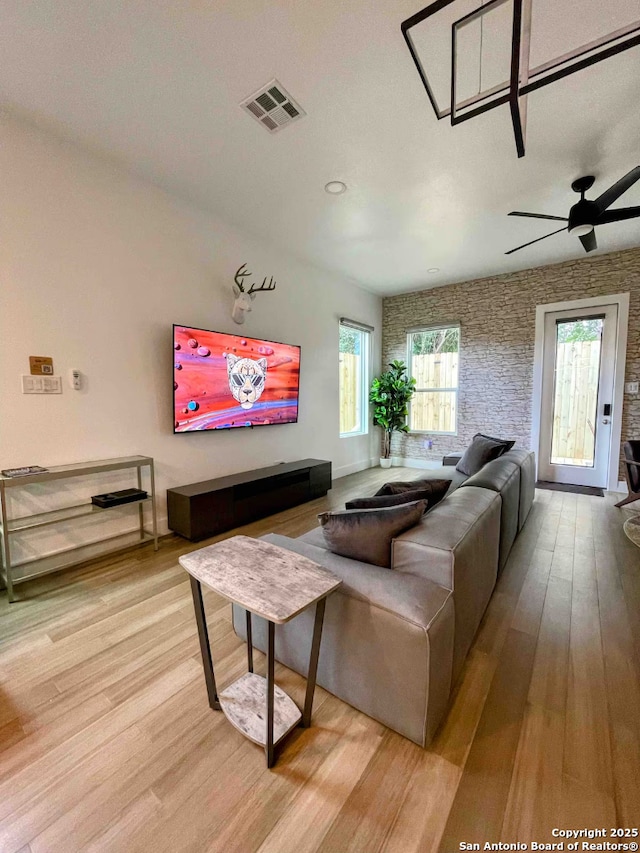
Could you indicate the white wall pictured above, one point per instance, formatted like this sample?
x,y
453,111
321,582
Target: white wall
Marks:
x,y
96,266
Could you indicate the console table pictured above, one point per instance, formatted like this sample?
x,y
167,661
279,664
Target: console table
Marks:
x,y
10,526
204,509
273,583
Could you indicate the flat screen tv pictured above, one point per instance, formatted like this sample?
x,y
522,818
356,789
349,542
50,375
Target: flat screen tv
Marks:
x,y
225,381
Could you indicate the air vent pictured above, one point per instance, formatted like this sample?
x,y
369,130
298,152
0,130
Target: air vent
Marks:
x,y
273,107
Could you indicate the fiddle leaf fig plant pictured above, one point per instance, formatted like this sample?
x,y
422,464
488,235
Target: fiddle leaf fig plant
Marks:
x,y
389,396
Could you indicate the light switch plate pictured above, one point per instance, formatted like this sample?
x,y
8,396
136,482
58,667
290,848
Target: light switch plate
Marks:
x,y
630,387
41,384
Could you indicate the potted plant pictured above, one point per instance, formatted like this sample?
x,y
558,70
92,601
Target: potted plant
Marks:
x,y
390,394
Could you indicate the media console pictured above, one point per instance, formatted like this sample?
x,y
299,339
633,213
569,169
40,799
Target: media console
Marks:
x,y
213,506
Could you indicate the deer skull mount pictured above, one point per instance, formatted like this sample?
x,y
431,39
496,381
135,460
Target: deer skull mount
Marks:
x,y
244,298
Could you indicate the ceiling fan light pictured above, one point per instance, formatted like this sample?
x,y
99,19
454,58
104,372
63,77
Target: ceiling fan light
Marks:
x,y
581,230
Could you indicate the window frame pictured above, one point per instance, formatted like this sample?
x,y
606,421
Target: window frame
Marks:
x,y
365,378
430,328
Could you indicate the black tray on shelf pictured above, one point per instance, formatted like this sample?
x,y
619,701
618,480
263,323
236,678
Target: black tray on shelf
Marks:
x,y
124,496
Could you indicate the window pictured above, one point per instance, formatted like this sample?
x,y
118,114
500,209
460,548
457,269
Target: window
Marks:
x,y
433,356
354,378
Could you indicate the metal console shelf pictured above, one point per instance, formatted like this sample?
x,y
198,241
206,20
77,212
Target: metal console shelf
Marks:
x,y
9,526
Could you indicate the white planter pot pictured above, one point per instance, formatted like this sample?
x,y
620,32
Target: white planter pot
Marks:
x,y
385,463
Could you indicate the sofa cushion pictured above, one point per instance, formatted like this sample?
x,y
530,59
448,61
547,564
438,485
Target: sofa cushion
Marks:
x,y
436,487
457,546
366,534
378,501
494,475
314,537
502,475
526,459
480,451
457,478
415,599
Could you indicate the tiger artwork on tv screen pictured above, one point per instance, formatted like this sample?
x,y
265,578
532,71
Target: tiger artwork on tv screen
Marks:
x,y
223,381
246,379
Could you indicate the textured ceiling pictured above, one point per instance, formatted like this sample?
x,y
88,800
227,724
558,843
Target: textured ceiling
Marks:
x,y
157,86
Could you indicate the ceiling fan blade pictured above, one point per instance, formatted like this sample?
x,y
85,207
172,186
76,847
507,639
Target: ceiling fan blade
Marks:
x,y
614,192
589,241
618,215
531,242
538,215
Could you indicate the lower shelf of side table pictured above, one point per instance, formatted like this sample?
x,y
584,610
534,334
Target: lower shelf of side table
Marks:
x,y
244,703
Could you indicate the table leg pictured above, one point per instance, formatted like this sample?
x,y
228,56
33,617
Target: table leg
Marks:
x,y
249,642
154,511
205,648
270,681
313,663
140,506
6,549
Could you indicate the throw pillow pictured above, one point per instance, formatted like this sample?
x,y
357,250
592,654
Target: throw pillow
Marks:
x,y
366,534
378,501
480,451
437,488
507,444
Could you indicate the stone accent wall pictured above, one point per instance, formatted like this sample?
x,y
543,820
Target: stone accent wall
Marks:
x,y
497,337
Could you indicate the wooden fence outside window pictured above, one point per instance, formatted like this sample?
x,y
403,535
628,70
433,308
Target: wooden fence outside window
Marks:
x,y
349,392
435,411
575,402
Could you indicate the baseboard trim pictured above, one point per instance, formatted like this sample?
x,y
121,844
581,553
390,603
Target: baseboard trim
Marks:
x,y
353,468
409,462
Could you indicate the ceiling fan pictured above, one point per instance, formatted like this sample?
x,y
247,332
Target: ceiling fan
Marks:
x,y
585,214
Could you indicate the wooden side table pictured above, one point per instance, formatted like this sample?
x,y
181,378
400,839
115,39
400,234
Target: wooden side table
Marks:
x,y
273,583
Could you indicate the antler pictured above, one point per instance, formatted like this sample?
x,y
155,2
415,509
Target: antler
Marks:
x,y
239,276
242,274
270,286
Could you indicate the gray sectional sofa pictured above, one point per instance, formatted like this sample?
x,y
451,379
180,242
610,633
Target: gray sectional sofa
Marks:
x,y
395,640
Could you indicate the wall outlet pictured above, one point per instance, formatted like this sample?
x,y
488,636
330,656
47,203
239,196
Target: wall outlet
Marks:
x,y
630,387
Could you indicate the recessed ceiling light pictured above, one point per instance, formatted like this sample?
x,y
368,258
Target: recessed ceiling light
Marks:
x,y
335,187
433,269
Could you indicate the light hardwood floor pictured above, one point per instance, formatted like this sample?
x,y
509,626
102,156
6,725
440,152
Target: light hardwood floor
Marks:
x,y
108,744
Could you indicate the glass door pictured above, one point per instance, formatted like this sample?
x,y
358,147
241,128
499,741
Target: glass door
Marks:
x,y
577,395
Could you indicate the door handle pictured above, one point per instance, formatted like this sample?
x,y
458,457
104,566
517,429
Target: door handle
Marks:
x,y
606,420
